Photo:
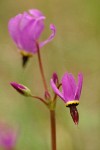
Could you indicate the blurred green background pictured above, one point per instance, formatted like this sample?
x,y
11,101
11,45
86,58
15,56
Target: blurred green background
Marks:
x,y
76,48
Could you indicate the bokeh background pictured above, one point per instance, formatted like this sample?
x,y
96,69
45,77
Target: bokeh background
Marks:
x,y
76,48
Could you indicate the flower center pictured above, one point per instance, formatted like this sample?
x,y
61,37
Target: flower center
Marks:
x,y
24,53
72,102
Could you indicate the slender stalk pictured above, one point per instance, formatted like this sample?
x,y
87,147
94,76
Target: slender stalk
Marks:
x,y
39,98
41,69
52,112
53,129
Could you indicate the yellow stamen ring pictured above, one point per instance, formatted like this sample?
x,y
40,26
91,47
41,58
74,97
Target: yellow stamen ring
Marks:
x,y
23,53
73,102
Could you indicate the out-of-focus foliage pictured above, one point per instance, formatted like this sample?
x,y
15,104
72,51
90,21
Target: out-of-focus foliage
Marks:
x,y
75,48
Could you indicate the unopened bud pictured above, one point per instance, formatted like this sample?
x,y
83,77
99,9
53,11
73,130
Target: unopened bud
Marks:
x,y
47,95
21,89
55,79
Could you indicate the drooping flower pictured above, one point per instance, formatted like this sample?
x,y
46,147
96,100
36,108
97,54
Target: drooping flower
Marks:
x,y
25,29
70,93
21,89
8,136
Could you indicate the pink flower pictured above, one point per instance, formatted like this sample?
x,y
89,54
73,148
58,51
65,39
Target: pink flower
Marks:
x,y
25,29
70,92
8,136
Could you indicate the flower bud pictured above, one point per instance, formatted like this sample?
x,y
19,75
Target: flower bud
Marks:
x,y
47,95
55,78
21,89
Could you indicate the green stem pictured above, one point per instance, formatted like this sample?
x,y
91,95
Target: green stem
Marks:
x,y
53,129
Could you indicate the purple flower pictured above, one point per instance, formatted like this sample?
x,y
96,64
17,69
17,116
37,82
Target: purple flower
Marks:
x,y
70,92
8,136
21,89
25,29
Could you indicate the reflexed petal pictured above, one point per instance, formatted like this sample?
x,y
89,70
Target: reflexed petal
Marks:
x,y
17,26
79,87
37,29
27,40
38,24
56,90
29,36
30,33
25,21
69,86
55,78
72,82
53,28
36,13
13,27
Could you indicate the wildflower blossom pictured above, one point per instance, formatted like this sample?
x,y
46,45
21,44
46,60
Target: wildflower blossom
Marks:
x,y
25,29
70,93
8,136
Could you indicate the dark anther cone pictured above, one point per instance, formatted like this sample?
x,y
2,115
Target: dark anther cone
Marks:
x,y
24,60
74,114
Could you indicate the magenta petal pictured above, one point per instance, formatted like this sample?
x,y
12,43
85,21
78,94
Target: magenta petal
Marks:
x,y
35,13
30,35
79,86
17,86
24,21
9,140
55,78
13,27
27,41
53,28
37,29
69,86
17,26
56,90
8,136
